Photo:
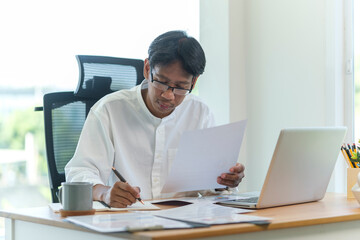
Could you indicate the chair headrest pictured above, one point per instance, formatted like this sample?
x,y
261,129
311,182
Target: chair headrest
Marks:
x,y
101,75
97,87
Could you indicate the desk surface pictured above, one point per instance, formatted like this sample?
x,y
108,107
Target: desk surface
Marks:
x,y
332,209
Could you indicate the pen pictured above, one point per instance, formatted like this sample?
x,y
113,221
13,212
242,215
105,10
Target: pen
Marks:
x,y
350,150
104,203
354,149
350,164
351,157
123,180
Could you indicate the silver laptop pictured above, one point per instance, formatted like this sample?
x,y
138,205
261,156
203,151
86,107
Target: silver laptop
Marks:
x,y
300,169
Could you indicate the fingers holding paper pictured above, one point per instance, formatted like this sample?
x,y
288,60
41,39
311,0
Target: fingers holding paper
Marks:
x,y
233,177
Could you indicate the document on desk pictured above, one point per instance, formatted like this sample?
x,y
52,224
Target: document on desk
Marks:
x,y
125,222
203,155
100,207
135,206
202,199
210,214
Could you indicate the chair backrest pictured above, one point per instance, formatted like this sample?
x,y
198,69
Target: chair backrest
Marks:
x,y
64,117
65,112
100,75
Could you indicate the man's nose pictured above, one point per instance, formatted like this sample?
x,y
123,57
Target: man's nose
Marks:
x,y
168,94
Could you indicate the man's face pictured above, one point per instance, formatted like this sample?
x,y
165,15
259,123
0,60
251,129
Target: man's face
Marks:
x,y
161,103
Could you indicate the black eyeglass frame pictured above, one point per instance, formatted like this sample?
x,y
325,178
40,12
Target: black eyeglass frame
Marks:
x,y
172,88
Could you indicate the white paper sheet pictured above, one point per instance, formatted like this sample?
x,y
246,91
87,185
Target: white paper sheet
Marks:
x,y
203,155
101,208
209,213
206,199
132,222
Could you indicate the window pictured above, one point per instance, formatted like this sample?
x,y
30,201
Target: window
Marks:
x,y
356,71
39,41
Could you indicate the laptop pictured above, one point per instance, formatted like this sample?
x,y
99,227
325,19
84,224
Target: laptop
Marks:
x,y
300,169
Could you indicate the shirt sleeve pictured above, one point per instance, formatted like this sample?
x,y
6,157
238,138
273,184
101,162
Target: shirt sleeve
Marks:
x,y
94,154
210,121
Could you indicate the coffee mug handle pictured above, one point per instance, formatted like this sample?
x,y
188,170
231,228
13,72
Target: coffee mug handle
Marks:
x,y
59,195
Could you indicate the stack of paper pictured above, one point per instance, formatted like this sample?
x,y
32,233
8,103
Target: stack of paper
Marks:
x,y
211,214
200,214
216,148
122,222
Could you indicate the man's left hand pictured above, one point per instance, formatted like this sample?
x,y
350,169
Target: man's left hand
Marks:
x,y
234,177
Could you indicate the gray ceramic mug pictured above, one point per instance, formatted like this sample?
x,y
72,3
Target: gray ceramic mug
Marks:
x,y
76,196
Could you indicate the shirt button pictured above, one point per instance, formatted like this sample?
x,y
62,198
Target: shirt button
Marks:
x,y
156,180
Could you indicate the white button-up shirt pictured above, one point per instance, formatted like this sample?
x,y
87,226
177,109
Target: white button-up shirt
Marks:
x,y
120,131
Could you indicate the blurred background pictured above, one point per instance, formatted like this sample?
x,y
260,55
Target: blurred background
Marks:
x,y
39,41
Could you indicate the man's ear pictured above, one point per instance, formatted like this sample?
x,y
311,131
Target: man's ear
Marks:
x,y
194,81
146,69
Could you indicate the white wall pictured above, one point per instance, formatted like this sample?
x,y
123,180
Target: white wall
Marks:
x,y
214,37
274,63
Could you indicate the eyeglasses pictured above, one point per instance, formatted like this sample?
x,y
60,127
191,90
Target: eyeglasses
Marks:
x,y
176,90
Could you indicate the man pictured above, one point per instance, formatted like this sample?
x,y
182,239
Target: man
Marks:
x,y
137,131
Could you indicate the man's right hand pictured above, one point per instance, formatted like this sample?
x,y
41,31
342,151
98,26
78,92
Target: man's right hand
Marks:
x,y
120,195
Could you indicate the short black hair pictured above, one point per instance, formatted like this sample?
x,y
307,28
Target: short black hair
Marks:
x,y
176,46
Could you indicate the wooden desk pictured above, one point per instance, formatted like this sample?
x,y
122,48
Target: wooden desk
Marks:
x,y
334,217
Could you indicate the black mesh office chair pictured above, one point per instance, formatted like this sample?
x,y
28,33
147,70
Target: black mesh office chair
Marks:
x,y
65,112
64,117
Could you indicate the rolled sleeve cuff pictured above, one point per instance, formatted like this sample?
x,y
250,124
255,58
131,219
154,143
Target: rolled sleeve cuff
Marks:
x,y
83,175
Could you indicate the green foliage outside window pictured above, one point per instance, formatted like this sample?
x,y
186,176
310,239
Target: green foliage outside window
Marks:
x,y
16,125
